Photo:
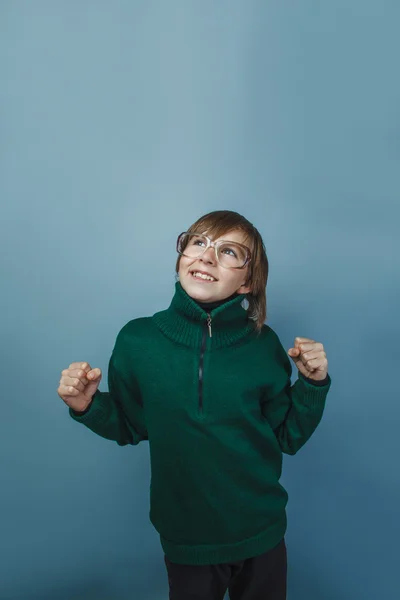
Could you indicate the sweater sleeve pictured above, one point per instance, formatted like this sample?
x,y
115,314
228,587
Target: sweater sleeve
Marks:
x,y
118,414
293,411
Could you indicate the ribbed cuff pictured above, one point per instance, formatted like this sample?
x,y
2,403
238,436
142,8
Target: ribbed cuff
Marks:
x,y
310,395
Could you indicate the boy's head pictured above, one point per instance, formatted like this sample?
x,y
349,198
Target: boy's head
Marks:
x,y
210,269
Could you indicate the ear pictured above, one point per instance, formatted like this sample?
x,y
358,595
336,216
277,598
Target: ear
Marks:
x,y
244,289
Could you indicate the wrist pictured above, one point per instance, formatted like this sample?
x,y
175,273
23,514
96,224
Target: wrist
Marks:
x,y
316,382
79,413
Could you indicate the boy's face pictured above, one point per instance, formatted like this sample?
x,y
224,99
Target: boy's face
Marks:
x,y
226,281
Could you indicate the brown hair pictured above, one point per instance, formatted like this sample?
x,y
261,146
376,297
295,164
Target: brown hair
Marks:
x,y
220,222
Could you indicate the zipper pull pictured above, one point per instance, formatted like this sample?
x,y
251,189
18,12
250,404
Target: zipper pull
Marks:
x,y
209,326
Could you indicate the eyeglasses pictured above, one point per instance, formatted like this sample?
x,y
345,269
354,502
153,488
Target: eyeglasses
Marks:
x,y
230,255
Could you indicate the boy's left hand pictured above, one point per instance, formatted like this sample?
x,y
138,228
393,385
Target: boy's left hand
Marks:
x,y
309,357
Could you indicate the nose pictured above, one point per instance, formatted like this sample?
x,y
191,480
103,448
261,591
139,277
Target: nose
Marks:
x,y
209,256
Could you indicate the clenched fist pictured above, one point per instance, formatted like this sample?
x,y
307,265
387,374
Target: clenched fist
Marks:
x,y
309,357
78,384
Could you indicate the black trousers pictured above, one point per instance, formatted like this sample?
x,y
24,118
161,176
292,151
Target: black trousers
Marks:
x,y
260,578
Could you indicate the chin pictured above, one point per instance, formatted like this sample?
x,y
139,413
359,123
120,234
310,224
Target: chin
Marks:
x,y
199,292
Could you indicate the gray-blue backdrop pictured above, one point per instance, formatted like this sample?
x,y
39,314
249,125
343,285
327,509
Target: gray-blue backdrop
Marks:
x,y
121,123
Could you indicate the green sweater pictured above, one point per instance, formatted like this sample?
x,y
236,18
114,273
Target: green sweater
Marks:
x,y
215,401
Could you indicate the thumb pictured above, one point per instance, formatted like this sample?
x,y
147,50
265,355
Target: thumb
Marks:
x,y
94,375
94,378
294,352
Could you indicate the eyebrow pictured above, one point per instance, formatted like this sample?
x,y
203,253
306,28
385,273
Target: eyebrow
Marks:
x,y
223,240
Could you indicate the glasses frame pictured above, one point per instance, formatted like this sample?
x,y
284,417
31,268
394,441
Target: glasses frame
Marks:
x,y
215,245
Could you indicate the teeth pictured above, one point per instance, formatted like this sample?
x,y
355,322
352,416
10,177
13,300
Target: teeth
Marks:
x,y
203,276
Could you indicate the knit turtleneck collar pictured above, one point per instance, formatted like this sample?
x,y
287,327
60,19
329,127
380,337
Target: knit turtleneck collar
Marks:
x,y
184,321
209,306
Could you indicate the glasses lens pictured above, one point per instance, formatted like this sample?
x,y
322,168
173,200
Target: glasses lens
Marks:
x,y
191,245
232,255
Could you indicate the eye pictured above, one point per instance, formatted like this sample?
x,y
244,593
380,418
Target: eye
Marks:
x,y
198,242
229,252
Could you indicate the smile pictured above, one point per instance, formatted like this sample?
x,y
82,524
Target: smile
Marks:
x,y
202,276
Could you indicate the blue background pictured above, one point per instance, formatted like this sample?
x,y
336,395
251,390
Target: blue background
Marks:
x,y
121,123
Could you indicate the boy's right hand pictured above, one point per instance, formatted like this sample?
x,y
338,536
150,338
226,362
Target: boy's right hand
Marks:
x,y
78,385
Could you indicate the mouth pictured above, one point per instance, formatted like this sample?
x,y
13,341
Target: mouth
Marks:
x,y
202,276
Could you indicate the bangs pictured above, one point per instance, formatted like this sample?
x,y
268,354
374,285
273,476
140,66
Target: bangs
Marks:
x,y
219,223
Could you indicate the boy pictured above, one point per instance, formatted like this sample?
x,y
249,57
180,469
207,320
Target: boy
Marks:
x,y
207,383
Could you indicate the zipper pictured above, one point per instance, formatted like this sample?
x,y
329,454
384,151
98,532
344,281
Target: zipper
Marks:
x,y
201,362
